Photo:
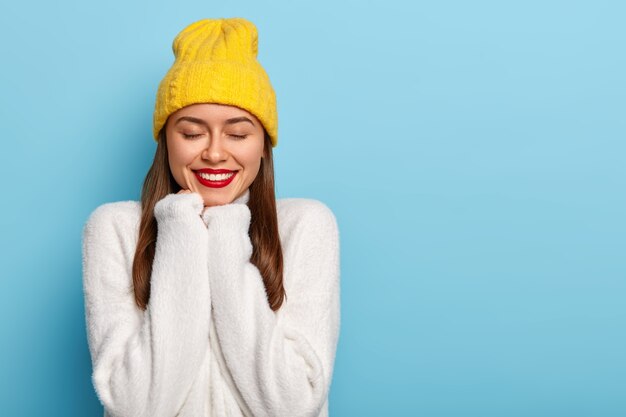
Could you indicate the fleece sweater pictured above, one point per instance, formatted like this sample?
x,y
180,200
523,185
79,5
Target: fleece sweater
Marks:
x,y
208,343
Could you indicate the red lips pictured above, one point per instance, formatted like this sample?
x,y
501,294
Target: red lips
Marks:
x,y
214,184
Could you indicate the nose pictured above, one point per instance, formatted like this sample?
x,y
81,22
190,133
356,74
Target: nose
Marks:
x,y
215,152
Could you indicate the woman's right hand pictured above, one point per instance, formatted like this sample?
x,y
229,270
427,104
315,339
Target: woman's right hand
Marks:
x,y
190,188
189,185
175,206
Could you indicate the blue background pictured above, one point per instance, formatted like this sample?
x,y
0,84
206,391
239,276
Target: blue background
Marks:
x,y
473,153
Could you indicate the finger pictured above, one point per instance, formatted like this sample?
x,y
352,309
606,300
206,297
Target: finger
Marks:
x,y
185,189
189,180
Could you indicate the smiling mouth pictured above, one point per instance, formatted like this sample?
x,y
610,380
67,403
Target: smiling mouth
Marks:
x,y
216,177
215,180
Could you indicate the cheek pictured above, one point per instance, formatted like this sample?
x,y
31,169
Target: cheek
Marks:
x,y
253,159
178,160
181,155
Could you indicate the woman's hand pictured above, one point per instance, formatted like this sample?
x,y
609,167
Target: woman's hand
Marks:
x,y
189,185
190,188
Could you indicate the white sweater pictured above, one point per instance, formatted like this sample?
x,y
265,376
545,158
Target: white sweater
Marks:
x,y
208,344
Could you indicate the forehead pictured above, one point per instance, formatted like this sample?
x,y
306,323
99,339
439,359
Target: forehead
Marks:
x,y
213,112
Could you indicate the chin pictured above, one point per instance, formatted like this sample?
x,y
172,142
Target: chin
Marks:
x,y
216,201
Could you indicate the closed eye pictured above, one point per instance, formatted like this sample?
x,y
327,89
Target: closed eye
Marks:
x,y
191,136
238,136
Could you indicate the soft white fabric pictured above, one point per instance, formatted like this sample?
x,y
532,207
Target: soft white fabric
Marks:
x,y
208,343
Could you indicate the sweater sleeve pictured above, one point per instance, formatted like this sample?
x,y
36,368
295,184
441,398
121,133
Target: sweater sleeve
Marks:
x,y
280,362
144,362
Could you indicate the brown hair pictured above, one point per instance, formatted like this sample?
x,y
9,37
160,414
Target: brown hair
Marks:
x,y
267,253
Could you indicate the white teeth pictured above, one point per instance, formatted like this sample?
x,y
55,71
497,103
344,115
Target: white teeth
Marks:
x,y
216,177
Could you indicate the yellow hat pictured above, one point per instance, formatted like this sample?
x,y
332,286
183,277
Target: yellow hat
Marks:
x,y
216,62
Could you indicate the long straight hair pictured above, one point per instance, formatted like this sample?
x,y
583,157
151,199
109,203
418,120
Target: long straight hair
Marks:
x,y
267,253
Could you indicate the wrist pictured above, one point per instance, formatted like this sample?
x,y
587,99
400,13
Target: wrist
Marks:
x,y
228,232
179,206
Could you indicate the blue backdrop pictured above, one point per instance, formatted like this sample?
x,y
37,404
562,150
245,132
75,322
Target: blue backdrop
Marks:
x,y
473,153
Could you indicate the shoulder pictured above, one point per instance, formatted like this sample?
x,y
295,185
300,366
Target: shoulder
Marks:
x,y
118,217
310,244
297,213
109,239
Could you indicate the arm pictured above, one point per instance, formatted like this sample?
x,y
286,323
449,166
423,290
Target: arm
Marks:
x,y
281,362
144,362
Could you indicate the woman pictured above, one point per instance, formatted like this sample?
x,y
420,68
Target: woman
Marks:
x,y
210,297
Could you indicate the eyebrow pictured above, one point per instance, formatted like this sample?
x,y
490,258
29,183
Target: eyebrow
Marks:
x,y
202,122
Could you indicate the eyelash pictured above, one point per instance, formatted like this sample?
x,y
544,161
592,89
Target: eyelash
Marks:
x,y
238,137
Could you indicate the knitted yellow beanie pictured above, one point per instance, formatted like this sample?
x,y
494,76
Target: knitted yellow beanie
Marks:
x,y
216,62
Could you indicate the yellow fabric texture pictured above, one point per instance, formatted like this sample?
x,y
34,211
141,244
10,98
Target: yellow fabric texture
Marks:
x,y
216,62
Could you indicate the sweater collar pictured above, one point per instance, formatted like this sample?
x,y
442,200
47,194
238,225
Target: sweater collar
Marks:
x,y
243,198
